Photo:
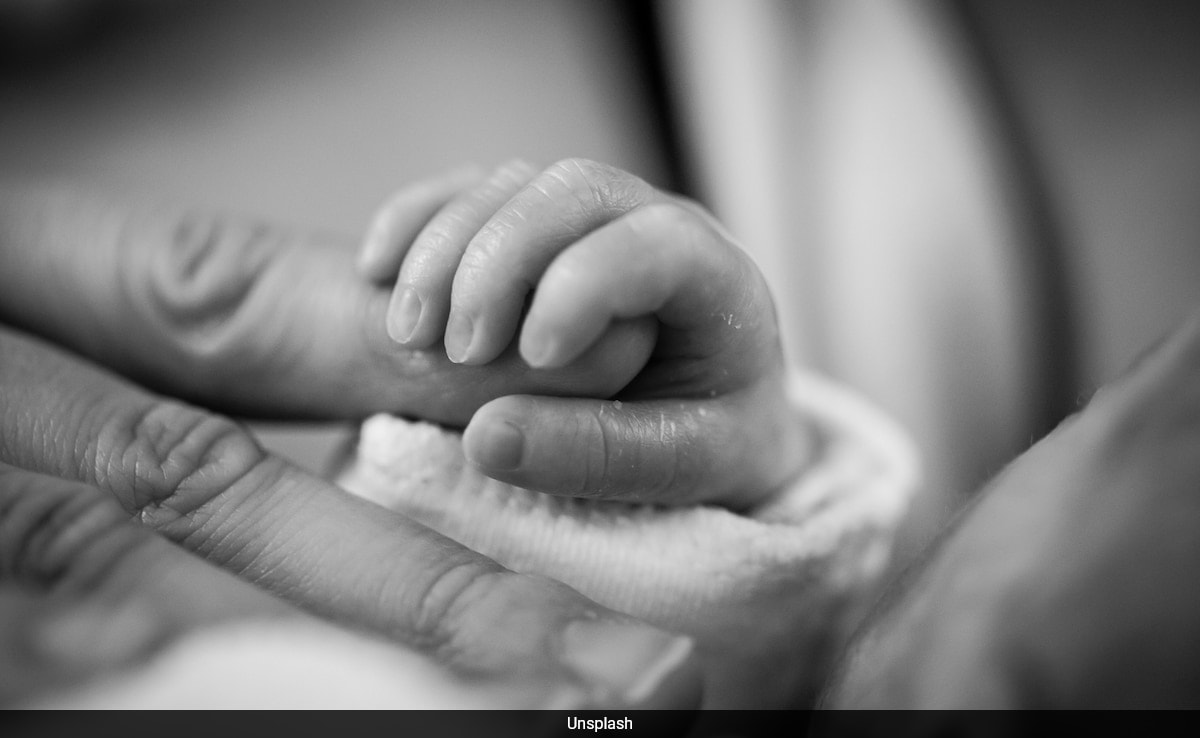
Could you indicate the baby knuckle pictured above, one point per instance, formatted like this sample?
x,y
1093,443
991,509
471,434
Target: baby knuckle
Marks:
x,y
442,243
670,219
431,247
478,274
580,181
600,187
574,170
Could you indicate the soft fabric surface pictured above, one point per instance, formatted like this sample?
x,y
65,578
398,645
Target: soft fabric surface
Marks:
x,y
768,594
282,665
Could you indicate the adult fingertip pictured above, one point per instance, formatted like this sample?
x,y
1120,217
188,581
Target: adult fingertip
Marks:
x,y
631,664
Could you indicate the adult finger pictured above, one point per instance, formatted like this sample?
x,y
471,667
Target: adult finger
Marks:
x,y
87,593
87,590
656,451
401,218
202,482
247,318
71,539
506,258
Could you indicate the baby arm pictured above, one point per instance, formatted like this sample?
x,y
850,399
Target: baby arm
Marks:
x,y
556,259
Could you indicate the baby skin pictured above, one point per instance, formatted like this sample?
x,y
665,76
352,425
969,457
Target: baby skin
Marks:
x,y
544,264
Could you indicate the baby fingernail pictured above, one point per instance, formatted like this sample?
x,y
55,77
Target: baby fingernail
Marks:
x,y
538,350
459,332
404,316
633,663
499,446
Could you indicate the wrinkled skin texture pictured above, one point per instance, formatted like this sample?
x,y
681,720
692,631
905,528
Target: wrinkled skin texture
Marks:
x,y
590,249
1071,581
120,504
93,467
249,319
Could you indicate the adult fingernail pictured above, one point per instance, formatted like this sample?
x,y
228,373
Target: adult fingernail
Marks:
x,y
498,445
633,663
404,316
459,332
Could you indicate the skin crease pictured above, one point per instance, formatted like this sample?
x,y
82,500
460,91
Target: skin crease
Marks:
x,y
243,317
263,322
250,319
86,591
92,593
1043,549
1118,476
590,248
108,464
246,318
1049,591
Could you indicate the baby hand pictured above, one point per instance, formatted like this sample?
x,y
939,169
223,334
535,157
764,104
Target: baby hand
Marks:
x,y
587,247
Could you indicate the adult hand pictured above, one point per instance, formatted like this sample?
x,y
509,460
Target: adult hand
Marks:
x,y
1071,582
246,318
705,419
230,315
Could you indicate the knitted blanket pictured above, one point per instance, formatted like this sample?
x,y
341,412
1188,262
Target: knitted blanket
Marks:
x,y
768,594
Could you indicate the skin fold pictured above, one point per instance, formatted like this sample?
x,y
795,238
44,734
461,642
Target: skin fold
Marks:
x,y
235,316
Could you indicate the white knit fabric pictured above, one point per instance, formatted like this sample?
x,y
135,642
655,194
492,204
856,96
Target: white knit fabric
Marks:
x,y
280,665
766,593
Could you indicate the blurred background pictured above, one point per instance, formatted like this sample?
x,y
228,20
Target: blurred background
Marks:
x,y
975,212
